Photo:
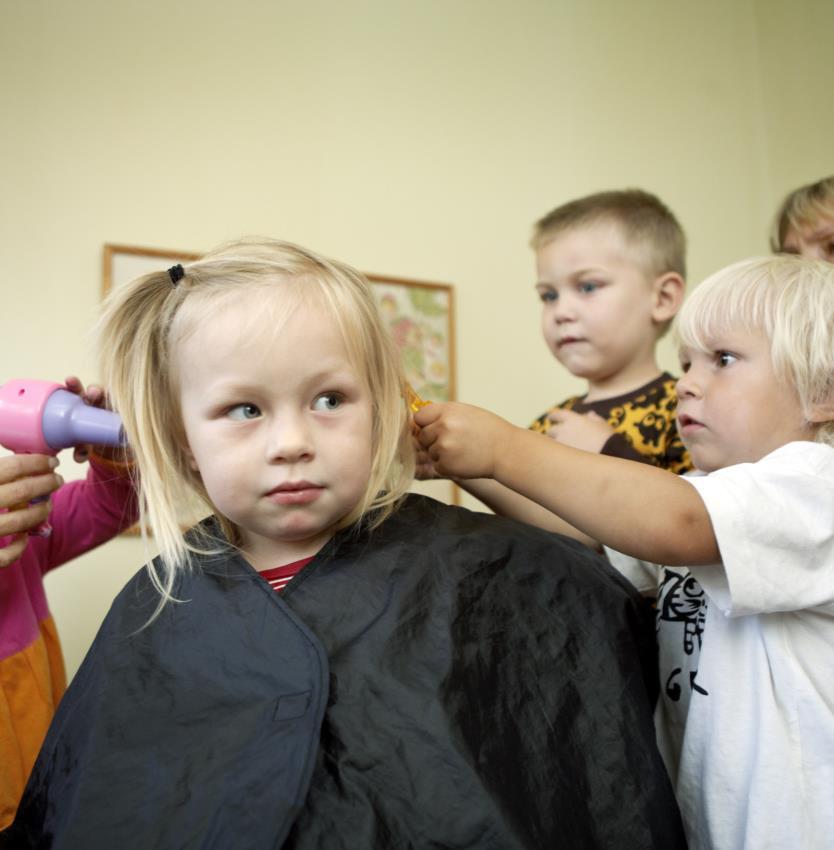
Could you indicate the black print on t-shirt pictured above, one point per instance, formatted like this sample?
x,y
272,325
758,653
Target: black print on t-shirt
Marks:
x,y
681,600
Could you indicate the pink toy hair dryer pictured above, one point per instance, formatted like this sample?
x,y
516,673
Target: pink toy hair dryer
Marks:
x,y
42,417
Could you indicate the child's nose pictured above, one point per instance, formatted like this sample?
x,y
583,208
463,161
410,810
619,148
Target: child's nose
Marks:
x,y
688,384
290,440
563,310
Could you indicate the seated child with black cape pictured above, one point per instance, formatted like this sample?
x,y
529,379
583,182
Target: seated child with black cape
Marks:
x,y
327,662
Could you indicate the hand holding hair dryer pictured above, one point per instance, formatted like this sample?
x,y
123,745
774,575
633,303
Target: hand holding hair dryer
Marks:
x,y
43,417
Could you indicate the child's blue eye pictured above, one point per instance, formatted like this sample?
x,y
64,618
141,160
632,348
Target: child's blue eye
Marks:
x,y
724,359
241,412
328,401
548,295
588,286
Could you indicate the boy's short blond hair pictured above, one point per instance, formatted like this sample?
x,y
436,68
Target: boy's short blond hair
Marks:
x,y
646,223
803,207
787,298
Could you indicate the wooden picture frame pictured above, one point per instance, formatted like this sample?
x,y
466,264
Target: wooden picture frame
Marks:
x,y
419,314
124,263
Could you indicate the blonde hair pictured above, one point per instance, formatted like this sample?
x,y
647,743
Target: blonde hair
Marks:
x,y
138,331
646,223
790,300
803,207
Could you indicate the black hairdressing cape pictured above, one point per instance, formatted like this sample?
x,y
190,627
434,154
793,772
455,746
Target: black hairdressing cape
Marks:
x,y
450,680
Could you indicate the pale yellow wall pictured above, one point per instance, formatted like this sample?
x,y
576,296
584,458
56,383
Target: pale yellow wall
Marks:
x,y
796,55
411,139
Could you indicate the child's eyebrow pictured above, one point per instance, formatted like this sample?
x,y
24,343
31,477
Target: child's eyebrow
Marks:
x,y
590,270
335,372
223,388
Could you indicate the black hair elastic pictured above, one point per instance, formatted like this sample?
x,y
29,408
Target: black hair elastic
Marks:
x,y
176,273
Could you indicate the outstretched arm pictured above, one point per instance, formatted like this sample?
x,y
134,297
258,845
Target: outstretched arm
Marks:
x,y
642,511
506,502
503,501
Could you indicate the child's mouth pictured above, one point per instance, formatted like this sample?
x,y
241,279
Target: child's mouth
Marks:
x,y
295,493
688,424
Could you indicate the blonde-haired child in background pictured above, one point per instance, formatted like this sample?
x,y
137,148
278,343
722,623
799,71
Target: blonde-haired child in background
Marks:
x,y
804,223
746,630
326,662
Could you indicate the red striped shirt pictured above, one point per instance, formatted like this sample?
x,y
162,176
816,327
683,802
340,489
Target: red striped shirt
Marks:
x,y
280,577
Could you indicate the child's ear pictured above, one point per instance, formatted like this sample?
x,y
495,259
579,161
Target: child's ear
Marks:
x,y
668,291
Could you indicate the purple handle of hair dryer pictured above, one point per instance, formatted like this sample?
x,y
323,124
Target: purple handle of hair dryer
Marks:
x,y
68,421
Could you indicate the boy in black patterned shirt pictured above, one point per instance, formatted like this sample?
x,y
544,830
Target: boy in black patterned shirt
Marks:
x,y
610,272
610,275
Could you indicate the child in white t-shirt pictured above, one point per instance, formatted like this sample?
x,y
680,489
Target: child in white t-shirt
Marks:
x,y
746,629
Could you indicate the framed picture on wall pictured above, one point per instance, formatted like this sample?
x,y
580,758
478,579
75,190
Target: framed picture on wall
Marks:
x,y
419,314
124,263
421,319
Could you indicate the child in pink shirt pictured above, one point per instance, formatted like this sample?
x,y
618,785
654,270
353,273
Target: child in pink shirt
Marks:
x,y
82,515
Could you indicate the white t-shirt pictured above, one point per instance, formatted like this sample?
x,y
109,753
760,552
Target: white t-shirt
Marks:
x,y
745,718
